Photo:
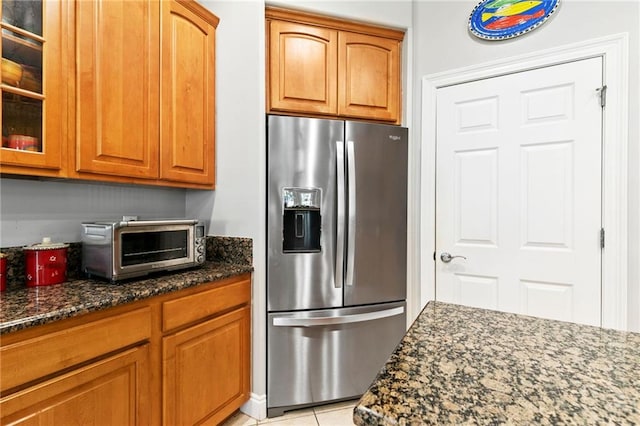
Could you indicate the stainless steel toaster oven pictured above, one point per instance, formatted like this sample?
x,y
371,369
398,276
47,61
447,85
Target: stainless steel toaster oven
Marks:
x,y
133,248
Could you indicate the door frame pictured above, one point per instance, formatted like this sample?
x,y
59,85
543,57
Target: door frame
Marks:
x,y
615,126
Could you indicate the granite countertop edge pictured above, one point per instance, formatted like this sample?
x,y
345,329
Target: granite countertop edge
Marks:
x,y
28,307
464,365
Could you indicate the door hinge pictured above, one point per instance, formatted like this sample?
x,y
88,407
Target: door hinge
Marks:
x,y
601,237
603,95
434,256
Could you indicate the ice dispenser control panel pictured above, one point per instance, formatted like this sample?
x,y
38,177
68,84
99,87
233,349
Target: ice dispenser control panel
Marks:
x,y
302,221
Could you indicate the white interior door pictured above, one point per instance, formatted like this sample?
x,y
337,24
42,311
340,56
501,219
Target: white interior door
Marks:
x,y
518,192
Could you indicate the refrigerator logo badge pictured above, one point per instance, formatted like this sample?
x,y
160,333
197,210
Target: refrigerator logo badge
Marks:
x,y
394,137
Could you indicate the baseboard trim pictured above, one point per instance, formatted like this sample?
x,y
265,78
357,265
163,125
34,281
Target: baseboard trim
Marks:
x,y
256,406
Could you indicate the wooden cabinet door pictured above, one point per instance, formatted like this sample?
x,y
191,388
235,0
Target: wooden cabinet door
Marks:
x,y
188,93
117,92
369,77
302,68
114,391
78,342
206,370
29,107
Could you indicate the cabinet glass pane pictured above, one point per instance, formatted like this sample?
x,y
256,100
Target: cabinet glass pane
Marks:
x,y
22,99
21,122
22,44
24,14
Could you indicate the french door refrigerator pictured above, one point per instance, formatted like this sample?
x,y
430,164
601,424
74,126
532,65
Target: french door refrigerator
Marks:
x,y
336,257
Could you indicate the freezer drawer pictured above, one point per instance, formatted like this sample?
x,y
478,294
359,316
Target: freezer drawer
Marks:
x,y
324,355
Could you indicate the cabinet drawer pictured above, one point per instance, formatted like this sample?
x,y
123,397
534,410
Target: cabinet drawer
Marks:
x,y
37,357
185,310
112,391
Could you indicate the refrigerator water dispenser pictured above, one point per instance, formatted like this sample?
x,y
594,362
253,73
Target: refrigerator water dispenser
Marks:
x,y
302,221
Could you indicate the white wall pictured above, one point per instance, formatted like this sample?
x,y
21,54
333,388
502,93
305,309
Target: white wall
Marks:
x,y
390,13
237,207
442,43
32,209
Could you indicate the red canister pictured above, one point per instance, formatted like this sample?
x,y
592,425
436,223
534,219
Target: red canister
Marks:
x,y
3,272
23,142
45,263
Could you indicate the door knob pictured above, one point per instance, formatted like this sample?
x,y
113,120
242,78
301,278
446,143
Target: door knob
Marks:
x,y
446,257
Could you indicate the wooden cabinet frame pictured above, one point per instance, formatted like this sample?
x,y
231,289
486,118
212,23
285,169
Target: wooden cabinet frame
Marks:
x,y
175,143
187,117
315,92
224,341
320,66
142,350
52,161
114,390
129,94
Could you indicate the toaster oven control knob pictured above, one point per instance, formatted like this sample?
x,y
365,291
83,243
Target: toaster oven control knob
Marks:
x,y
200,258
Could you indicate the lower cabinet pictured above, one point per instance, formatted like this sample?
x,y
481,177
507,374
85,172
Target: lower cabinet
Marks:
x,y
112,391
177,359
222,344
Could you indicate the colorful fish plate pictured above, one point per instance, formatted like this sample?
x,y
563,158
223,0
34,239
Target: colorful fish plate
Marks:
x,y
503,19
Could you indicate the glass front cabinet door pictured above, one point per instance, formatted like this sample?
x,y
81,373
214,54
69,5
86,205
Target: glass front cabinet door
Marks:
x,y
34,87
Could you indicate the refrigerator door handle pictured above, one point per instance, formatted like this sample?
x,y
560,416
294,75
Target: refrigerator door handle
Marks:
x,y
332,320
339,270
351,226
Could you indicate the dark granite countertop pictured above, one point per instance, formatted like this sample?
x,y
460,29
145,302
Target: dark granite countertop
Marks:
x,y
27,307
462,365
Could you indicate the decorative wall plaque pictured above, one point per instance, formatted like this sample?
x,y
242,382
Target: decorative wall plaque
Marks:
x,y
503,19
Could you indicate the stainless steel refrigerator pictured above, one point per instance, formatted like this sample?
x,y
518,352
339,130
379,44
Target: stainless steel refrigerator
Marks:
x,y
336,257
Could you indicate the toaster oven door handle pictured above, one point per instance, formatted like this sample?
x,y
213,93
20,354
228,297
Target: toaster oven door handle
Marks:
x,y
156,222
143,253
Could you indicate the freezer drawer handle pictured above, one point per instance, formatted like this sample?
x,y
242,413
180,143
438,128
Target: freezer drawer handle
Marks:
x,y
346,319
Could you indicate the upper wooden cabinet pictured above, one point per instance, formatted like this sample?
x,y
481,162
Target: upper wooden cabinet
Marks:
x,y
34,96
137,103
303,68
145,91
117,88
187,150
321,66
368,77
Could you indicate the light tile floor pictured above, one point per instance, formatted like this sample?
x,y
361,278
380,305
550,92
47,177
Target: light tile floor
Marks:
x,y
339,414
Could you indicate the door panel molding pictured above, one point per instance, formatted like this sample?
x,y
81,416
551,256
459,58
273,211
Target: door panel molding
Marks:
x,y
614,51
